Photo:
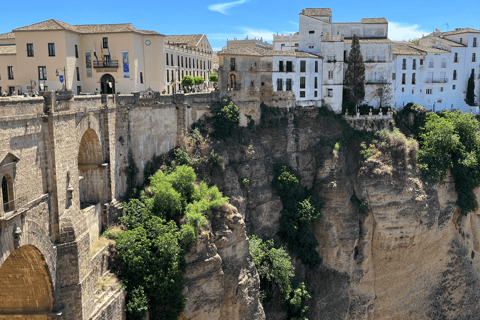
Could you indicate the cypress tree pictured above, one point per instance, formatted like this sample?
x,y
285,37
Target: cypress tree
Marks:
x,y
355,74
470,100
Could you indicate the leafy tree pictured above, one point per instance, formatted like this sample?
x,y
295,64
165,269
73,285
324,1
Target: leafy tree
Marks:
x,y
213,77
355,74
188,81
225,119
296,308
470,100
198,80
300,211
450,140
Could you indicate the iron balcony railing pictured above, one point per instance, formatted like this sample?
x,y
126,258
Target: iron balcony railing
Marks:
x,y
232,67
436,80
285,69
376,81
105,64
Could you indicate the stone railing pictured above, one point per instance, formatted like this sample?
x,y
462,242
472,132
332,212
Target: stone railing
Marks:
x,y
370,116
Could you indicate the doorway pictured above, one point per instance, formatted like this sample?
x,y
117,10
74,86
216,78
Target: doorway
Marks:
x,y
108,84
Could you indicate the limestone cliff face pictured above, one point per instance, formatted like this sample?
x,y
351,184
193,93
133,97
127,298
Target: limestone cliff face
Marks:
x,y
413,256
221,281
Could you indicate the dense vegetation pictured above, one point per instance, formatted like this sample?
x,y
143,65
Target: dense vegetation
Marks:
x,y
300,211
450,140
225,119
276,274
151,250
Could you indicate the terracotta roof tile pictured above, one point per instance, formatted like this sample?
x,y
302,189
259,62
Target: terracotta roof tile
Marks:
x,y
406,49
463,30
9,35
190,40
374,20
244,51
371,40
8,49
430,49
321,12
449,42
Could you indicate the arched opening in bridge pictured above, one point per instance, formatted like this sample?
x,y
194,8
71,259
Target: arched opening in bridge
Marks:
x,y
7,193
26,286
90,169
108,84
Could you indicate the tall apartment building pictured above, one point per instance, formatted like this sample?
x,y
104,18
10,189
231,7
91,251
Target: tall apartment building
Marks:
x,y
187,55
433,72
108,58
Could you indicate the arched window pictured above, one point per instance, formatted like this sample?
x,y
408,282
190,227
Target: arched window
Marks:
x,y
233,81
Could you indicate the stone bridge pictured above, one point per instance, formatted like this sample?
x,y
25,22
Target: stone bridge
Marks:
x,y
64,164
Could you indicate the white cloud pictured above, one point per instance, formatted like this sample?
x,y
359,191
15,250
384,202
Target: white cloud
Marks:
x,y
223,7
294,23
401,31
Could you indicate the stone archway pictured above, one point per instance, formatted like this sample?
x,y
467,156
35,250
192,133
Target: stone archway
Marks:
x,y
108,84
26,284
90,169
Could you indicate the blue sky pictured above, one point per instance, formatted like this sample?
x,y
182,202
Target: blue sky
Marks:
x,y
222,19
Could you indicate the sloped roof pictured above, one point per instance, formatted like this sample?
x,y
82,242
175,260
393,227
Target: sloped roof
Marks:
x,y
243,51
449,42
8,49
9,35
259,52
190,40
374,20
370,40
52,25
406,49
430,49
319,12
463,30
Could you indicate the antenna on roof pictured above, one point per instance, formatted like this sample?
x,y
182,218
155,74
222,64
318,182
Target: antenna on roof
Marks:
x,y
446,25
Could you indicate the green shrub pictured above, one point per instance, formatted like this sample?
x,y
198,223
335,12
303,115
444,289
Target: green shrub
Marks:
x,y
137,303
217,160
337,146
296,308
450,140
225,119
300,211
182,158
245,181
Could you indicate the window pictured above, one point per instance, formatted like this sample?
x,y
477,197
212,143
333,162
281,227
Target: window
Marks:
x,y
330,74
168,75
316,85
381,56
10,73
78,74
404,76
282,45
413,91
76,51
454,74
302,94
330,92
393,76
413,78
404,64
11,90
141,76
441,89
474,57
461,40
279,84
186,62
197,64
439,101
172,76
29,49
474,42
171,59
296,44
455,59
428,91
430,63
302,66
453,87
421,62
181,58
315,94
414,64
51,49
190,62
302,82
203,64
289,66
7,193
444,63
311,31
403,89
311,47
289,85
280,66
105,43
42,73
232,64
167,59
79,89
316,66
251,83
178,61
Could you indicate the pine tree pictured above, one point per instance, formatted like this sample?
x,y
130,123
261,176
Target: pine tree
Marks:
x,y
355,74
470,100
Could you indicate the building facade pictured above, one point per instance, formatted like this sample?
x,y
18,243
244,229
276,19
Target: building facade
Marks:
x,y
105,58
187,55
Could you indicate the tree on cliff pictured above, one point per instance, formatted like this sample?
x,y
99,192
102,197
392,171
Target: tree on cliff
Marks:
x,y
470,100
355,74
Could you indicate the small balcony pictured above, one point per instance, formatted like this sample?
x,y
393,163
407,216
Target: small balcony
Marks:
x,y
436,80
285,69
232,67
375,60
105,64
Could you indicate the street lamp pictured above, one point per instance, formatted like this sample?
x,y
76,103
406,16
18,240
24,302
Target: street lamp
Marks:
x,y
64,75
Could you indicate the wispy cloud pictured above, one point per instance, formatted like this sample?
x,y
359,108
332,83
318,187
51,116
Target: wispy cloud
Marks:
x,y
223,7
403,31
294,23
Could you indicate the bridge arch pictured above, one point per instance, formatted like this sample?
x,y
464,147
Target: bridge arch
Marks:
x,y
26,283
90,169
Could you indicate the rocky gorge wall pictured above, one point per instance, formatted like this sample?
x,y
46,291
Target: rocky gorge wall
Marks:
x,y
411,256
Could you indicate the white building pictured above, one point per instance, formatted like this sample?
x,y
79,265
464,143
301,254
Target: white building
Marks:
x,y
187,55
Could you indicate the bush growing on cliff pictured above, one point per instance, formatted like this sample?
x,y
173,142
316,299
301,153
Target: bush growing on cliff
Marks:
x,y
450,140
300,211
225,119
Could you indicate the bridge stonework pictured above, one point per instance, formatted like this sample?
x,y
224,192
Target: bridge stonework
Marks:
x,y
64,164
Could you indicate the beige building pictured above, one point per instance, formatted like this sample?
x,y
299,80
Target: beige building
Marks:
x,y
127,59
187,55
